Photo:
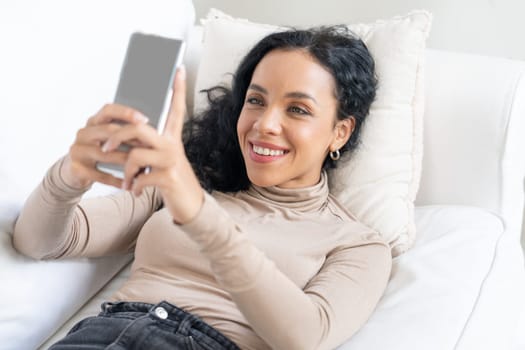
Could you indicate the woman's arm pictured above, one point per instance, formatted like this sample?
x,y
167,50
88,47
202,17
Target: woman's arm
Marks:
x,y
55,223
332,306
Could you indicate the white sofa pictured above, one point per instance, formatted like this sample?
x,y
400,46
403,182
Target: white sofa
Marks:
x,y
461,286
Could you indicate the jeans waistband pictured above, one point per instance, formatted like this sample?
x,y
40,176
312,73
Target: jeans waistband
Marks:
x,y
166,310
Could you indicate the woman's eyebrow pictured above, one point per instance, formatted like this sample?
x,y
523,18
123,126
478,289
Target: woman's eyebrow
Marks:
x,y
258,88
293,94
298,94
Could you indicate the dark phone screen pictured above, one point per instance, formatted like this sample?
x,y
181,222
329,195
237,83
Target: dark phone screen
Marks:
x,y
145,81
146,74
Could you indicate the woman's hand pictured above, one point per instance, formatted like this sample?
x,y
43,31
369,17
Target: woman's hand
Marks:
x,y
79,168
164,156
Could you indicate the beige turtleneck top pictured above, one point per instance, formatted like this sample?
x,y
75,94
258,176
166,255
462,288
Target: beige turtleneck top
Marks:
x,y
268,267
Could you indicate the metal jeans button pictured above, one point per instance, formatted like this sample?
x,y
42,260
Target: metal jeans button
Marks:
x,y
161,313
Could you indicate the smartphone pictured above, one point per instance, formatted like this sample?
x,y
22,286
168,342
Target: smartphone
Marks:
x,y
146,81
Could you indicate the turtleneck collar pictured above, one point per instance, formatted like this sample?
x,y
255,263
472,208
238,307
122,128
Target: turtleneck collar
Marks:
x,y
305,199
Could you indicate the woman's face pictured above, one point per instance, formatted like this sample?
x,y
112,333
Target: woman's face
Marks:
x,y
288,122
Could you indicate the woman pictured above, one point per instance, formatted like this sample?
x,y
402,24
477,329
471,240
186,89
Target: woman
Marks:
x,y
268,259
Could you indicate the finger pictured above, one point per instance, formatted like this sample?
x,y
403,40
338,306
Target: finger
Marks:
x,y
90,155
93,174
141,134
136,163
162,157
144,180
96,134
114,112
140,159
178,105
138,183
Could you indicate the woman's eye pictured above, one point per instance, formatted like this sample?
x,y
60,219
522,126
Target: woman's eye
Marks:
x,y
298,110
254,101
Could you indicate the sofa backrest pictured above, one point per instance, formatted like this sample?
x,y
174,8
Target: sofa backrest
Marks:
x,y
60,63
474,133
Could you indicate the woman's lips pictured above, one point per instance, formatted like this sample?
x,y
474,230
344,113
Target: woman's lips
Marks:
x,y
262,152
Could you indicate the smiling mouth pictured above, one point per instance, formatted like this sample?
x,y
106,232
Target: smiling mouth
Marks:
x,y
263,151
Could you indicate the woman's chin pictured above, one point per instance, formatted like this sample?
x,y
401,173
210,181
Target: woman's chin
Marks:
x,y
262,180
263,183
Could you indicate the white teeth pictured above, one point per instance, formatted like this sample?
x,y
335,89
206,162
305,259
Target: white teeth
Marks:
x,y
267,152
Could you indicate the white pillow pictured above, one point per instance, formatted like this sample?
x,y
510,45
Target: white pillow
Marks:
x,y
380,182
60,63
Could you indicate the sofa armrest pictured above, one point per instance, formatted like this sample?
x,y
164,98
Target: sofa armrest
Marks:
x,y
60,64
474,149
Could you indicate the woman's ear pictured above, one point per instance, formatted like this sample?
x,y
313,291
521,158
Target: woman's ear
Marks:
x,y
343,130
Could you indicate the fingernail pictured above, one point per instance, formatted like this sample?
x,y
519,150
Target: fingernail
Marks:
x,y
182,72
105,147
140,117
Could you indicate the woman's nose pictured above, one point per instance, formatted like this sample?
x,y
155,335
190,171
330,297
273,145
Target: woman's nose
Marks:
x,y
269,122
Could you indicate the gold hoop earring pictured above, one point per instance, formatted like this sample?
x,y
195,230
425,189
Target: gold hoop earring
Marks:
x,y
335,155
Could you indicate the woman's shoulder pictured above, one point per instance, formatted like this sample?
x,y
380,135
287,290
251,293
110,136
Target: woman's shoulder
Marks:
x,y
367,233
338,209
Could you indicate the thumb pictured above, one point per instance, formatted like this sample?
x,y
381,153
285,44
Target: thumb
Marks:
x,y
177,110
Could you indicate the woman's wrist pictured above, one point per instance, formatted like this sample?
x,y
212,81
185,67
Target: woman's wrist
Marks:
x,y
190,210
69,179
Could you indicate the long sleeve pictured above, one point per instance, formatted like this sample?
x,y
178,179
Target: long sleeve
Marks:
x,y
55,223
330,308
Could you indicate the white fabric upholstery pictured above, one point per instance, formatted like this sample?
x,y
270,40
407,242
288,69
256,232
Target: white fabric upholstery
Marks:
x,y
38,297
473,134
60,63
435,286
91,308
461,287
474,155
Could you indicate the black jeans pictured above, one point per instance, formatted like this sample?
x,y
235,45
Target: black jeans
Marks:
x,y
133,325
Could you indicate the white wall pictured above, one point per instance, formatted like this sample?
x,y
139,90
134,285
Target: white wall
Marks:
x,y
490,27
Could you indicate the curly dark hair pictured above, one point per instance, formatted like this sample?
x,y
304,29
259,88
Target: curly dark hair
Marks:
x,y
210,138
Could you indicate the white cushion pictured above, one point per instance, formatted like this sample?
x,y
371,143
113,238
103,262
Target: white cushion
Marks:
x,y
60,63
434,287
379,184
37,297
92,307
